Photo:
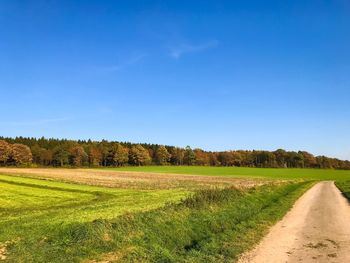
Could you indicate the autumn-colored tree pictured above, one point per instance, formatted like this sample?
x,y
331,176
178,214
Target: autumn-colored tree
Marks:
x,y
248,158
5,152
202,158
324,162
162,156
78,155
236,158
225,159
213,159
21,154
95,155
120,155
152,153
46,157
139,155
281,157
177,156
57,152
309,160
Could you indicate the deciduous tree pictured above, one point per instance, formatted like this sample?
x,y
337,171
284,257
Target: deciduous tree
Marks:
x,y
177,156
202,158
162,155
5,152
78,155
139,155
21,154
47,157
95,155
58,152
309,160
120,155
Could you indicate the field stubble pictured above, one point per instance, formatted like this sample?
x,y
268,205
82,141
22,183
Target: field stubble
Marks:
x,y
134,180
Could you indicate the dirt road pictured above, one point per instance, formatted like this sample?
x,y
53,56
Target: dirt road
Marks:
x,y
317,229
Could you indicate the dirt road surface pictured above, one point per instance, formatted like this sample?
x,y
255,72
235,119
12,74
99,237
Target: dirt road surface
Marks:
x,y
317,229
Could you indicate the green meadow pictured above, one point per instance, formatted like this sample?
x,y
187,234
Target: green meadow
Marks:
x,y
52,221
31,208
28,199
48,221
268,173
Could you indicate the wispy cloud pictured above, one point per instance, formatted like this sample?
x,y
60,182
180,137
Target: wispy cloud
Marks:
x,y
36,122
177,52
134,59
109,68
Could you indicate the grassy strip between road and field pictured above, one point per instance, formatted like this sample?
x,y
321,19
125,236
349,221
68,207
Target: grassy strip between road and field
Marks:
x,y
344,187
210,226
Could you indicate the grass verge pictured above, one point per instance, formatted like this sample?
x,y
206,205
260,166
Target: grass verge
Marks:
x,y
211,226
344,187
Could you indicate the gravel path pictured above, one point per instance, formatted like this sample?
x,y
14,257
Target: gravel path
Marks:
x,y
317,229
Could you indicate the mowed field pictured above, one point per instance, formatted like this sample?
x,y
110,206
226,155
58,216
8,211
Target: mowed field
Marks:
x,y
31,208
148,214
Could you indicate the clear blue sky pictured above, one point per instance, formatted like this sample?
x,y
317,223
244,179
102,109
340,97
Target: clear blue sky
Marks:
x,y
211,74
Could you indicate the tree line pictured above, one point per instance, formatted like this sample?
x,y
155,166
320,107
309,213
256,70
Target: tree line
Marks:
x,y
79,153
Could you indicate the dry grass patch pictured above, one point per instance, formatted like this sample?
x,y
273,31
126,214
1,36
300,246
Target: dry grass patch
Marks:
x,y
135,180
3,251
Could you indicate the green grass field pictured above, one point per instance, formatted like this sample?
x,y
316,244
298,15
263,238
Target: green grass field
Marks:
x,y
268,173
51,221
47,221
30,208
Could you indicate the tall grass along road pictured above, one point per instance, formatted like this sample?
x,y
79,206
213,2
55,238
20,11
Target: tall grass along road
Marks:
x,y
317,229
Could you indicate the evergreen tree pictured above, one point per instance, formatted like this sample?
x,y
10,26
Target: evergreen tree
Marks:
x,y
189,156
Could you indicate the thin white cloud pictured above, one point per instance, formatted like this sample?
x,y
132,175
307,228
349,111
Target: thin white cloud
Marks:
x,y
110,69
36,122
135,59
177,52
130,61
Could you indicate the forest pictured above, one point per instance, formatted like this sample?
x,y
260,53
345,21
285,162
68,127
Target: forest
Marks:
x,y
23,151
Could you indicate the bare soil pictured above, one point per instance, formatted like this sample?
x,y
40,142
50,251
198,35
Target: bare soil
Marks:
x,y
140,180
317,229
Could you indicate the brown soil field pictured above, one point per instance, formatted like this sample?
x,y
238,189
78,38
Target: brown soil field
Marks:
x,y
139,180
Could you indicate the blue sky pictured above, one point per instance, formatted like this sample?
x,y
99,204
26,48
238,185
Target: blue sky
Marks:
x,y
211,74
